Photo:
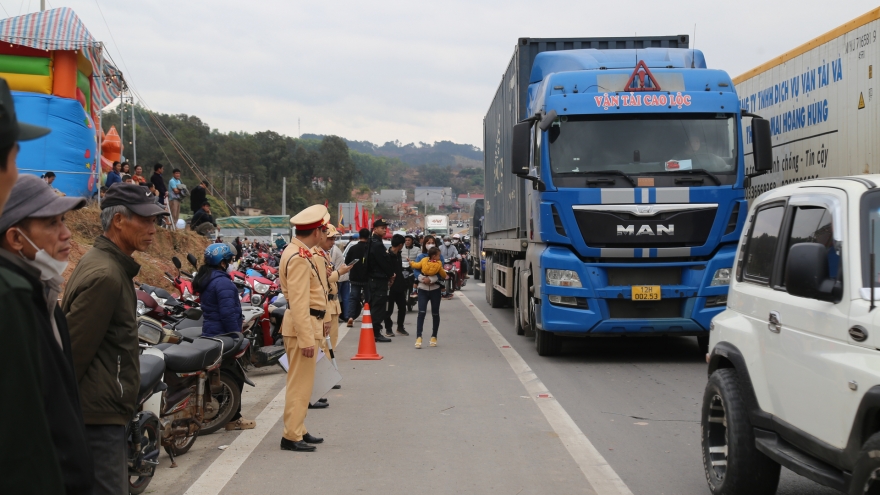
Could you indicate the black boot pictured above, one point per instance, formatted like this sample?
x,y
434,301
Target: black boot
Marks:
x,y
380,337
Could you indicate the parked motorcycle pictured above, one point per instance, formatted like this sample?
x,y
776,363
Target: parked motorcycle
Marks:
x,y
143,432
191,372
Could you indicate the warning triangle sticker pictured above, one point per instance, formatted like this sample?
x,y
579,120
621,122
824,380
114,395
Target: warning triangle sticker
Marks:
x,y
861,101
642,79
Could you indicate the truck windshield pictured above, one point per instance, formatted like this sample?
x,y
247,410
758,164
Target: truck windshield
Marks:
x,y
643,144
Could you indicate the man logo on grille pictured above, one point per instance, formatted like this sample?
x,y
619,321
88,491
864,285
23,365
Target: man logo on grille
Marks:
x,y
645,230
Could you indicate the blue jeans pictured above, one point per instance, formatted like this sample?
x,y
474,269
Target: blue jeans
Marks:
x,y
344,289
424,297
356,295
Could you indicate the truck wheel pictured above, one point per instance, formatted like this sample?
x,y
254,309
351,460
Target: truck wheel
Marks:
x,y
732,463
488,280
546,343
866,474
517,320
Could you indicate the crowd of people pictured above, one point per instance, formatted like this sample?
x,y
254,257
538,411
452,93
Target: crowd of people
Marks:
x,y
73,369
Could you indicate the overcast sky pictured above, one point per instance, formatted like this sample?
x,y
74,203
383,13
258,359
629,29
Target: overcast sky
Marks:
x,y
406,70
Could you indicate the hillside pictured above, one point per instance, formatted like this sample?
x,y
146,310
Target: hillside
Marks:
x,y
439,153
85,227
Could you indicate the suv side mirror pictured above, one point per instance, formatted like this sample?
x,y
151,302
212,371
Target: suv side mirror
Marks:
x,y
762,145
521,148
806,273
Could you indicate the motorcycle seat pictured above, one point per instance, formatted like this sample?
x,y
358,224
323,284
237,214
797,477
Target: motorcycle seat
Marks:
x,y
152,369
187,357
187,323
231,343
191,332
278,313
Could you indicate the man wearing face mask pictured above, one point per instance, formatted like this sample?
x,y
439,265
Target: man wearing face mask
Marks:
x,y
25,424
35,243
103,337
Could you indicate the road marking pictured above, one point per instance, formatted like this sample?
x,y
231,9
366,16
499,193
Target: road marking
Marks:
x,y
594,467
214,479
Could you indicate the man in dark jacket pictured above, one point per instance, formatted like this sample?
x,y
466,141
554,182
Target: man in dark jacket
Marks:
x,y
202,222
23,425
156,179
99,303
398,290
357,275
198,196
35,244
380,274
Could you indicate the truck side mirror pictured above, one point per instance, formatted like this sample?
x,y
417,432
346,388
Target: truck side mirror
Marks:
x,y
762,145
521,148
806,273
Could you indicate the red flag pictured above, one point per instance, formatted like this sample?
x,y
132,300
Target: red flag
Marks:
x,y
357,217
365,219
326,203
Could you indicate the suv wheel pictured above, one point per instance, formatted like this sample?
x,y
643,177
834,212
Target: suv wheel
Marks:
x,y
866,474
732,463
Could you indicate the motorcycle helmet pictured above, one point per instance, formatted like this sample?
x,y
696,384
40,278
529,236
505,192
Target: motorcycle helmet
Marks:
x,y
215,253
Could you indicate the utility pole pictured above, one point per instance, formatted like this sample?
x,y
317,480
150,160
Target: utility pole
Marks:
x,y
284,196
134,149
224,183
43,9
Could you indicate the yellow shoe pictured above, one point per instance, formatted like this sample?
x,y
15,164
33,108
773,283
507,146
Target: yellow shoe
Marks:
x,y
433,342
418,342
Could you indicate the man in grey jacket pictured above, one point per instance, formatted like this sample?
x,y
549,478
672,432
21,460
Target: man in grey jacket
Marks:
x,y
100,305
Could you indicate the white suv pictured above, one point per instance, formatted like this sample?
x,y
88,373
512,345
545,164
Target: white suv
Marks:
x,y
794,365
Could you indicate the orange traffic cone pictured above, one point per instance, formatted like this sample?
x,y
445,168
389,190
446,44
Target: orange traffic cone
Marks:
x,y
367,345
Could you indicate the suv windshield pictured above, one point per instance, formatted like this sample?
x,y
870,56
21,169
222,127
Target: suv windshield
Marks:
x,y
639,144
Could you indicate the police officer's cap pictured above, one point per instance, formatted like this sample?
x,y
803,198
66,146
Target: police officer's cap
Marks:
x,y
310,218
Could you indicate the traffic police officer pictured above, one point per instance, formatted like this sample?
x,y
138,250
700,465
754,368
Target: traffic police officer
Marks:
x,y
303,326
333,274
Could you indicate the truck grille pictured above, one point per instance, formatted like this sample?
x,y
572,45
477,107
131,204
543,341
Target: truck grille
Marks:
x,y
610,229
644,276
629,309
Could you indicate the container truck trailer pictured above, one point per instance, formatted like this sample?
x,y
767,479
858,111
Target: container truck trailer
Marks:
x,y
819,99
615,188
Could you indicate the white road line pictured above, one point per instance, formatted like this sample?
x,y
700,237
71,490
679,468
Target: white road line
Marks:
x,y
214,479
595,468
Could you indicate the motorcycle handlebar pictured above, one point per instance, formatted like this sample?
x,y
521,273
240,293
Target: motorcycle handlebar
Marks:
x,y
187,339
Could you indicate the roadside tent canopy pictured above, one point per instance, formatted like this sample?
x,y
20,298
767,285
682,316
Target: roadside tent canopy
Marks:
x,y
261,222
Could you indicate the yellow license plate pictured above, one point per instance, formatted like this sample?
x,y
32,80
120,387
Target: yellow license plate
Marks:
x,y
646,292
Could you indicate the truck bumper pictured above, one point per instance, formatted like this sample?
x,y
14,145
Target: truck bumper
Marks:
x,y
688,303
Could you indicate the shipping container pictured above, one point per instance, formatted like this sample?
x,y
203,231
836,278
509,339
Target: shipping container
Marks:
x,y
819,99
505,202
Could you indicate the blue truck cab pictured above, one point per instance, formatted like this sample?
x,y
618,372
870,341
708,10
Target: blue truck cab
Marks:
x,y
622,193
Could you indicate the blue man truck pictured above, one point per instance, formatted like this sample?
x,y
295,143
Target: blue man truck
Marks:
x,y
615,180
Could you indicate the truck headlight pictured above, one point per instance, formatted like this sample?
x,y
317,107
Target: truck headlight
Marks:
x,y
721,277
563,278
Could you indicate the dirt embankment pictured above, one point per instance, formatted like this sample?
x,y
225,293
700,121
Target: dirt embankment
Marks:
x,y
85,227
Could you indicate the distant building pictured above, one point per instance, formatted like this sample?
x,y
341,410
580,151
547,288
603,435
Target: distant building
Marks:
x,y
434,196
392,197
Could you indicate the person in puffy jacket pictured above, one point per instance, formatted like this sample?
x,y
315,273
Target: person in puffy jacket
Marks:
x,y
218,295
221,307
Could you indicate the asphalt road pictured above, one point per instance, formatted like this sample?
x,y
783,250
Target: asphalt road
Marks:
x,y
458,419
638,401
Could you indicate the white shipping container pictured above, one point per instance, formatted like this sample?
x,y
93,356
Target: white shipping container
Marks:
x,y
819,99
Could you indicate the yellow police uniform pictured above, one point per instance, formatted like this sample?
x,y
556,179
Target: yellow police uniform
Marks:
x,y
306,296
330,282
